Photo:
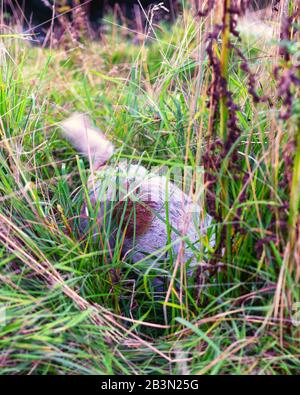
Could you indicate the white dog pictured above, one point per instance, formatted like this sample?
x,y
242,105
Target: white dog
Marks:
x,y
151,215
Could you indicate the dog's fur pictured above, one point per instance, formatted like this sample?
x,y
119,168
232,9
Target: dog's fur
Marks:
x,y
147,222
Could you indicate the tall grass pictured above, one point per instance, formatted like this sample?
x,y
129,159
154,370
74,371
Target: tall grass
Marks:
x,y
75,306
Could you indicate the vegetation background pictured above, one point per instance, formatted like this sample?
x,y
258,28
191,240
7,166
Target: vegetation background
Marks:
x,y
172,96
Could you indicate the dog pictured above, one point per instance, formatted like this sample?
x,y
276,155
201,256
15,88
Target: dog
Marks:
x,y
151,215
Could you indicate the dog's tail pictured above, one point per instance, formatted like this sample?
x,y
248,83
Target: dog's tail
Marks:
x,y
87,139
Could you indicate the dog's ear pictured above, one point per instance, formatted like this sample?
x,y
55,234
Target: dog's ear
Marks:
x,y
87,139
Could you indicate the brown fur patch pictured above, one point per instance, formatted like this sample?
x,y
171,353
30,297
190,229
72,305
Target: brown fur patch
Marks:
x,y
136,217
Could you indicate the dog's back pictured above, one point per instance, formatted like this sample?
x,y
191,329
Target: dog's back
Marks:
x,y
151,214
